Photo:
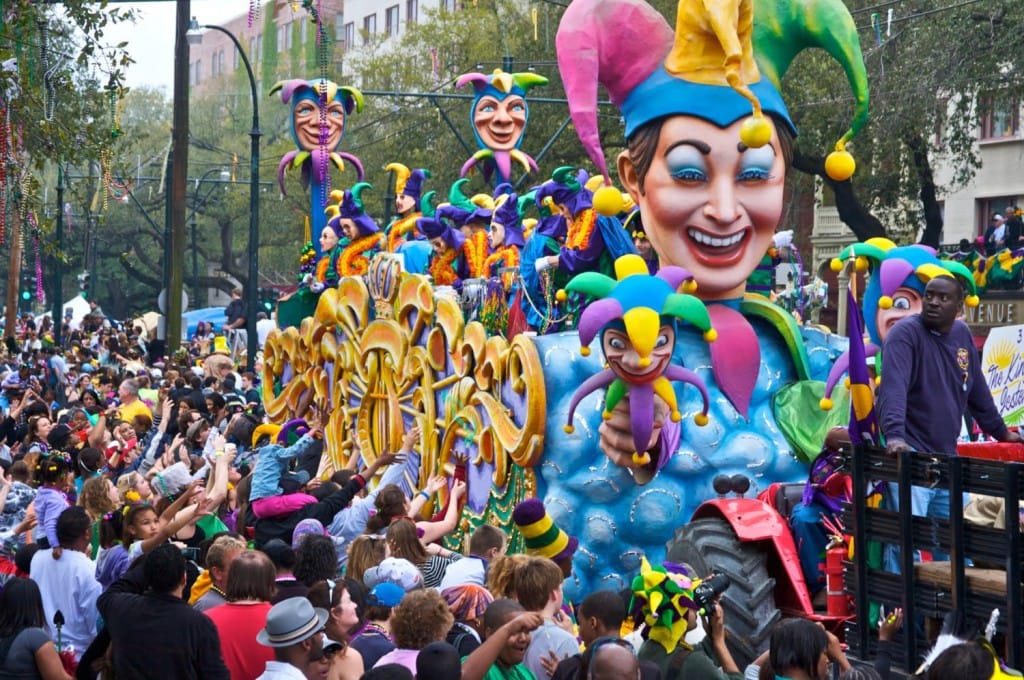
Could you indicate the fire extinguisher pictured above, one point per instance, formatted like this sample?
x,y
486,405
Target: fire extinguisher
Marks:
x,y
838,602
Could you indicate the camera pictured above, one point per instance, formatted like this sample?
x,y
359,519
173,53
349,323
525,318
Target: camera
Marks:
x,y
705,594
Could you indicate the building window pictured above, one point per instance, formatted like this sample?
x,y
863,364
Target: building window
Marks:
x,y
222,66
391,20
191,73
288,36
987,207
369,28
213,65
412,11
302,32
1000,117
199,64
349,36
449,5
339,21
237,58
259,50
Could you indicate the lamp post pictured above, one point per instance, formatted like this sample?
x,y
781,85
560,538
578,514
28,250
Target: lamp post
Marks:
x,y
252,287
225,176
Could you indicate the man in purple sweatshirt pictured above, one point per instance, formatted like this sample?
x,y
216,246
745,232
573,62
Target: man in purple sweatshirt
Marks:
x,y
931,374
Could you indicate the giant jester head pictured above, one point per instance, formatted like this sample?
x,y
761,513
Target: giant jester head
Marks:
x,y
499,117
319,109
898,277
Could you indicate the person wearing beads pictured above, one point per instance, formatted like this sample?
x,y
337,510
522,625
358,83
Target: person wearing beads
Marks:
x,y
359,229
447,265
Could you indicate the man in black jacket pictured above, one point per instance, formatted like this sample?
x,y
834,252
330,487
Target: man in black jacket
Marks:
x,y
151,627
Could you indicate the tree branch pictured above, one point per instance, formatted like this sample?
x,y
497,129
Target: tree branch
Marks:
x,y
929,201
851,211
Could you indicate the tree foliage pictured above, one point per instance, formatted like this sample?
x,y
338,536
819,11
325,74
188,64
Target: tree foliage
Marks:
x,y
934,73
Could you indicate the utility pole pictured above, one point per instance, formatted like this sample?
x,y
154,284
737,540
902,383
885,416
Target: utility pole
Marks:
x,y
58,266
179,171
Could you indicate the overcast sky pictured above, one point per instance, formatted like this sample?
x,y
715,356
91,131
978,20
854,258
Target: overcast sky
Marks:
x,y
151,39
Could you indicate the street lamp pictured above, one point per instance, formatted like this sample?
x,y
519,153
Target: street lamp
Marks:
x,y
195,37
225,176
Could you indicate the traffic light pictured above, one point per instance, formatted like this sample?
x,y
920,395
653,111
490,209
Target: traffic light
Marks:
x,y
27,289
267,300
83,283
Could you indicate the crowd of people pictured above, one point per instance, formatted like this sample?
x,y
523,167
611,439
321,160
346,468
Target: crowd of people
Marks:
x,y
152,524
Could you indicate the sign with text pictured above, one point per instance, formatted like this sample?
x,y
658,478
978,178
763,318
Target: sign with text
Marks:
x,y
1002,362
994,312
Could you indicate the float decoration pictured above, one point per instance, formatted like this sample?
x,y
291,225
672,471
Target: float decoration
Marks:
x,y
383,352
650,71
636,309
499,116
319,110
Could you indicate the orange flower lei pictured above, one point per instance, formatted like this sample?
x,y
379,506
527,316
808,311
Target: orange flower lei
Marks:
x,y
398,230
353,260
476,249
441,269
580,230
504,257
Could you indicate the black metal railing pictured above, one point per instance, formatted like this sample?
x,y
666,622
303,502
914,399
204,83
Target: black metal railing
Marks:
x,y
930,598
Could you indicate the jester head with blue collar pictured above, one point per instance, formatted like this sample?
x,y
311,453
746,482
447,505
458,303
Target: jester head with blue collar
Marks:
x,y
499,116
898,277
320,109
635,314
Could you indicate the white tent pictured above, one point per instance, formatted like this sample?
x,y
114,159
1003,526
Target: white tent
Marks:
x,y
78,306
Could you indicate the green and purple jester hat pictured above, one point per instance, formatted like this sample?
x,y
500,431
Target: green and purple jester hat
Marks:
x,y
635,317
499,116
319,110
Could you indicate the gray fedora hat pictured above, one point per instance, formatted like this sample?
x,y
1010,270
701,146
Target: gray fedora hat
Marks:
x,y
291,621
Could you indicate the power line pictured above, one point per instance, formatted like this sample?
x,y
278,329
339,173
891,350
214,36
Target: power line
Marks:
x,y
919,15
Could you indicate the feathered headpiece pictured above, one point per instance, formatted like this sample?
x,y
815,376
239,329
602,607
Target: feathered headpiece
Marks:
x,y
661,596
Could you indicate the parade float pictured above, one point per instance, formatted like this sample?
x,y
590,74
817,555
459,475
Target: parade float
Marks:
x,y
709,142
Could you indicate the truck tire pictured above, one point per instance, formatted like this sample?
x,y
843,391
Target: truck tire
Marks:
x,y
710,545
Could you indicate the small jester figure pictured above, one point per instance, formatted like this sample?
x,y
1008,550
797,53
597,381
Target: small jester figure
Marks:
x,y
446,266
499,116
638,338
319,111
592,241
408,195
359,229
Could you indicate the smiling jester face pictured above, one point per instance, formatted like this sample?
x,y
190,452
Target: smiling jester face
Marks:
x,y
499,122
709,204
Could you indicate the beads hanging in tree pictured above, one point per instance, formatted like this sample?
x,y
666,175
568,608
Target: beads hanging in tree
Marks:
x,y
49,72
39,262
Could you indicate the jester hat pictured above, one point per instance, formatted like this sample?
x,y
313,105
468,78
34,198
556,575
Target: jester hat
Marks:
x,y
893,267
295,91
478,208
408,182
566,187
351,207
508,216
661,597
724,61
641,303
435,227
